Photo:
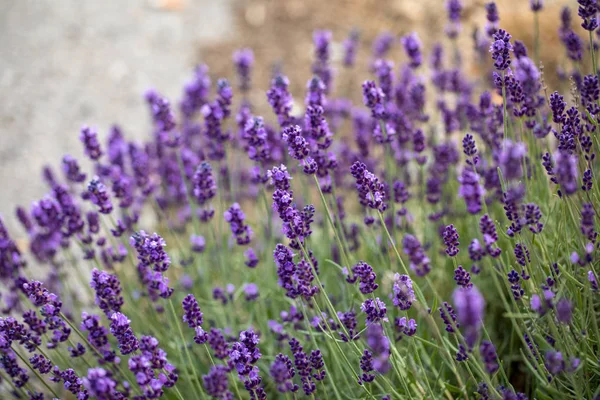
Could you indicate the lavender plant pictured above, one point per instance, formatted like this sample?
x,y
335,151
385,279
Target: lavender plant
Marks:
x,y
317,252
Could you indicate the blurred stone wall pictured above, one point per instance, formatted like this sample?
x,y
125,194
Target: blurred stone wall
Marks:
x,y
66,63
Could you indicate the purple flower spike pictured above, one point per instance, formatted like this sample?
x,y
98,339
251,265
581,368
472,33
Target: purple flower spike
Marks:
x,y
298,147
108,291
371,191
375,310
588,11
120,329
500,49
204,187
364,272
403,293
235,217
451,240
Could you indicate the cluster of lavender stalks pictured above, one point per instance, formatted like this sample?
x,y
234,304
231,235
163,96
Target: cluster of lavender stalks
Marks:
x,y
489,180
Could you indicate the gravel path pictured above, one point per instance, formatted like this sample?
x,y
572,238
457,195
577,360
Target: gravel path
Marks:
x,y
65,63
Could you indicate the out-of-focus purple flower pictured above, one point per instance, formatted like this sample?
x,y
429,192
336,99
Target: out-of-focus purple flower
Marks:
x,y
91,145
99,196
412,47
419,262
492,17
382,44
564,311
250,291
510,159
573,44
350,46
282,371
321,66
196,92
542,305
280,99
198,243
243,60
100,384
216,383
471,190
72,170
470,306
536,5
251,258
554,362
592,280
566,172
384,70
454,9
380,347
500,49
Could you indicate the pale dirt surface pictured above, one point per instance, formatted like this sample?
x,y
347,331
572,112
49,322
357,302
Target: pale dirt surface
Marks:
x,y
66,63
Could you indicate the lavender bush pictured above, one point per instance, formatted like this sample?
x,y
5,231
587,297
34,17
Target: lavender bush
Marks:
x,y
437,241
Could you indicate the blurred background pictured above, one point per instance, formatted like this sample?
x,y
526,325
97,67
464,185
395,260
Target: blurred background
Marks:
x,y
67,63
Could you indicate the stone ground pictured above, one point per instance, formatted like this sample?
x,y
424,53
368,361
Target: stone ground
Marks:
x,y
66,63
